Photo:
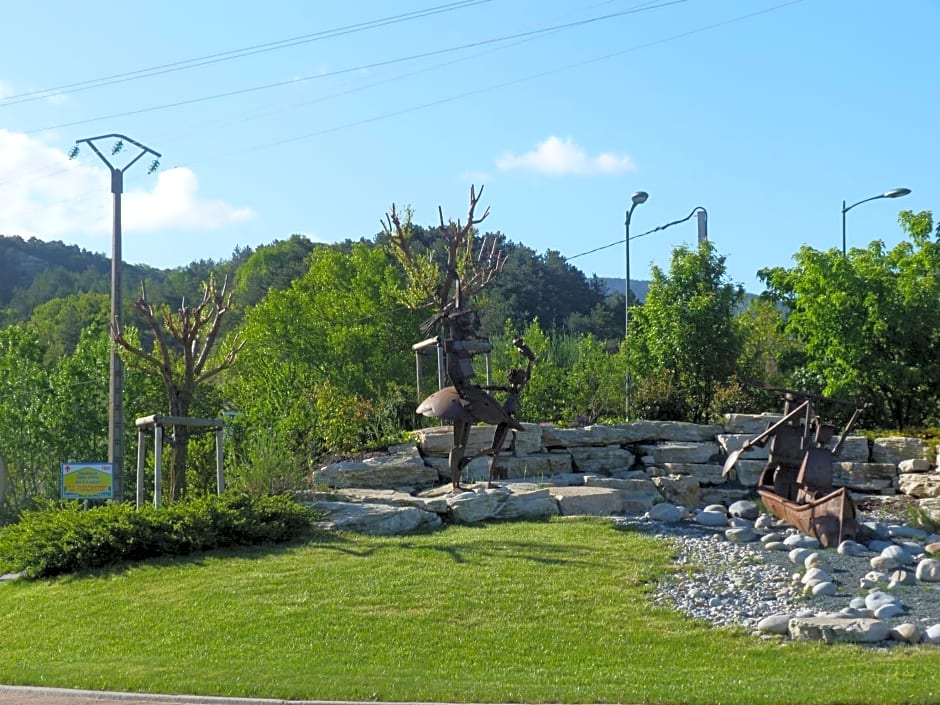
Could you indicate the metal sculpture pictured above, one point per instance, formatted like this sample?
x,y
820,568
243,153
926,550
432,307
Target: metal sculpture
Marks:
x,y
464,403
796,484
447,288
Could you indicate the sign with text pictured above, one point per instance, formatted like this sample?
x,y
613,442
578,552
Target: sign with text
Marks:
x,y
87,481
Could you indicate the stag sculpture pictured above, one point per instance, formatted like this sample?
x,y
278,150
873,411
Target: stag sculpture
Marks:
x,y
448,288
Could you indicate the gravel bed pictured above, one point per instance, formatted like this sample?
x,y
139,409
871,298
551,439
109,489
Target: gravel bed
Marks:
x,y
730,584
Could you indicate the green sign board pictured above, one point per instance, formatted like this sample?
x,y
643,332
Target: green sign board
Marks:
x,y
87,481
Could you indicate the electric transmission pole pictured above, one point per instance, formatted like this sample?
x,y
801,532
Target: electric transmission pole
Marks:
x,y
116,383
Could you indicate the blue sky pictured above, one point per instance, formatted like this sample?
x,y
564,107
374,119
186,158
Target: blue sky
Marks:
x,y
314,117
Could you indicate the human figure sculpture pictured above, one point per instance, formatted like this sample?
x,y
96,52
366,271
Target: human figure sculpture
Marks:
x,y
464,403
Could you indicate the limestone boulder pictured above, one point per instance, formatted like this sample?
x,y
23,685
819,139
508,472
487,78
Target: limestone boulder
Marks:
x,y
527,441
378,496
680,452
864,477
527,503
854,450
749,424
920,485
403,469
540,466
704,473
837,628
604,460
476,505
678,489
914,465
678,431
930,507
438,440
556,437
375,519
749,472
637,494
731,442
591,501
894,449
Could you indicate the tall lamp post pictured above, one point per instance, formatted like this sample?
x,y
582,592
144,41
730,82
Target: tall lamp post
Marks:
x,y
637,198
116,377
893,193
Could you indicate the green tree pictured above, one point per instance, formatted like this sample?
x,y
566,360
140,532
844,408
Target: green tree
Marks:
x,y
29,468
870,322
273,266
322,351
187,354
60,321
684,336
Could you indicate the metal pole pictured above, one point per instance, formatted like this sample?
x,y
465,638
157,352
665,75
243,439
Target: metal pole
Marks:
x,y
844,209
626,307
116,366
626,287
116,378
702,216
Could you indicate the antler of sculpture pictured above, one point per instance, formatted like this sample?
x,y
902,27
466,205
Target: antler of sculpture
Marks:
x,y
475,269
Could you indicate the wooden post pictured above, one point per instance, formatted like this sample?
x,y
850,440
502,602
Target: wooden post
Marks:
x,y
158,465
141,456
220,476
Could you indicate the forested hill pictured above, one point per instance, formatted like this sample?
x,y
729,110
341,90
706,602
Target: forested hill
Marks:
x,y
34,272
532,285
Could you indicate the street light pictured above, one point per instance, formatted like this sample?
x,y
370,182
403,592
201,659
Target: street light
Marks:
x,y
637,198
893,193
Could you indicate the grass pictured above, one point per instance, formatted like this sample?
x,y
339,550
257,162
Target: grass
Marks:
x,y
514,612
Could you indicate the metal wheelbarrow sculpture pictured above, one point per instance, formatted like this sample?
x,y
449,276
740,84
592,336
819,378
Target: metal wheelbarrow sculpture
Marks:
x,y
796,484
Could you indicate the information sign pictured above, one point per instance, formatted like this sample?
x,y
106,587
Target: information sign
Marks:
x,y
87,481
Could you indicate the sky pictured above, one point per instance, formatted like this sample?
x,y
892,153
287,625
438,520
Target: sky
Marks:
x,y
314,117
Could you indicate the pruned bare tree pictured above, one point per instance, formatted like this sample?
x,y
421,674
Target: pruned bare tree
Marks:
x,y
182,357
431,279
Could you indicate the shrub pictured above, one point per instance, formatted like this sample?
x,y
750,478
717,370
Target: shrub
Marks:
x,y
62,538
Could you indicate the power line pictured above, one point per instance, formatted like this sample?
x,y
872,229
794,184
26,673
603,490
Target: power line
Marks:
x,y
232,54
490,88
361,67
513,82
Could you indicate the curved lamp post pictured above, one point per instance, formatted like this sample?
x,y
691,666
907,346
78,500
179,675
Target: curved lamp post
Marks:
x,y
637,198
893,193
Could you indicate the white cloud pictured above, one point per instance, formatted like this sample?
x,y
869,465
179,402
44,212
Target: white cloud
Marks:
x,y
175,203
46,195
559,157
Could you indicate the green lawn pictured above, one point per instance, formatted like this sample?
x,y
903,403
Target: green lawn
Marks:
x,y
537,612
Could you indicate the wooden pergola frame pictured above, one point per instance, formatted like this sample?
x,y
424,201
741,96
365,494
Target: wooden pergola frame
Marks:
x,y
157,422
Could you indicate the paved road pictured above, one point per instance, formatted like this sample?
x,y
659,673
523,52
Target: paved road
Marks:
x,y
16,695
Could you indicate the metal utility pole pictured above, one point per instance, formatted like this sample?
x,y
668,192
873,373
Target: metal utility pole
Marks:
x,y
702,216
116,382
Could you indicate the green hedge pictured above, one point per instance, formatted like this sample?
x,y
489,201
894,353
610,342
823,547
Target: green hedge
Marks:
x,y
63,538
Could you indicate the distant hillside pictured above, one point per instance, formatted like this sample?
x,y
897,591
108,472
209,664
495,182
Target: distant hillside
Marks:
x,y
640,287
34,271
614,286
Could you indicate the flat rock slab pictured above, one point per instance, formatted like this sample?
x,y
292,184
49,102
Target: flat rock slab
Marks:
x,y
591,501
375,519
834,629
